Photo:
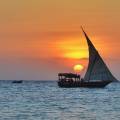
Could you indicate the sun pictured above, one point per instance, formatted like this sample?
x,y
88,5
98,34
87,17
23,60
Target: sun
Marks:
x,y
78,68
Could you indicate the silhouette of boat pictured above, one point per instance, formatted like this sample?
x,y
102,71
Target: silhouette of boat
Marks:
x,y
97,74
17,81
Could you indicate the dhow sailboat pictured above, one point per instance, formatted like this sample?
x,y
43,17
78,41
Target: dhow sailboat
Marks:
x,y
97,74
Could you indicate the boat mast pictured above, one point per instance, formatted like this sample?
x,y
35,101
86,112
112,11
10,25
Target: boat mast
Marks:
x,y
92,56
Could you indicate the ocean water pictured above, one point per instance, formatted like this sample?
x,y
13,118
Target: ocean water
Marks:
x,y
39,100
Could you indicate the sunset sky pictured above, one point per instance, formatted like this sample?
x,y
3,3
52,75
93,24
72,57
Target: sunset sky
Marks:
x,y
40,38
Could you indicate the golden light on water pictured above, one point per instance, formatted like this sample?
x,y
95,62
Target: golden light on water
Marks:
x,y
78,68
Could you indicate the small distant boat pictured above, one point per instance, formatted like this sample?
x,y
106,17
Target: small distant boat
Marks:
x,y
97,74
17,81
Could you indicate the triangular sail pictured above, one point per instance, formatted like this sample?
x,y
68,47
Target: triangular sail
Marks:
x,y
97,69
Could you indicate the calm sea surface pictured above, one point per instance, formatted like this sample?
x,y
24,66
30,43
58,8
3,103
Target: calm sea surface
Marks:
x,y
37,100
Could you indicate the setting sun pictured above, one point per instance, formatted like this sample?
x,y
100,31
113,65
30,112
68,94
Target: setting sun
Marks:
x,y
78,68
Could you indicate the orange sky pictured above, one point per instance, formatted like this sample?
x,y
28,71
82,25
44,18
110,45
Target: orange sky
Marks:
x,y
40,38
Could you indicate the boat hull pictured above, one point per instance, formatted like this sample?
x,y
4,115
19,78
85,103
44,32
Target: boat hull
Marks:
x,y
96,84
